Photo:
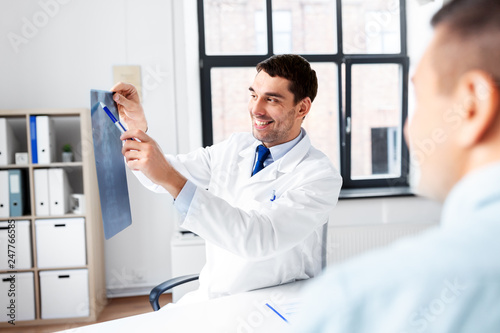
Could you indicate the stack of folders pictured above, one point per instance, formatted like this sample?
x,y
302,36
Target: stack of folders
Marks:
x,y
42,139
52,192
9,145
12,193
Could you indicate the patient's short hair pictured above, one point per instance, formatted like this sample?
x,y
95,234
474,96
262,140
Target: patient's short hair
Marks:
x,y
296,69
471,42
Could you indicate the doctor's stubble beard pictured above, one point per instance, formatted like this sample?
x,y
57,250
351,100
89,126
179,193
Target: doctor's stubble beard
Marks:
x,y
277,134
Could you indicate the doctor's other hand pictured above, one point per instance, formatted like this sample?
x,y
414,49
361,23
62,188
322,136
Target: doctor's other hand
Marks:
x,y
129,106
145,155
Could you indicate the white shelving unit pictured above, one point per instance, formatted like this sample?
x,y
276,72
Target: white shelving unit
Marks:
x,y
71,126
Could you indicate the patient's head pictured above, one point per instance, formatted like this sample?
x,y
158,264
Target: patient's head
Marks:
x,y
456,127
471,40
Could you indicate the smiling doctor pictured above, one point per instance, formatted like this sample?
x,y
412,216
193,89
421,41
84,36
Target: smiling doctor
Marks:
x,y
259,199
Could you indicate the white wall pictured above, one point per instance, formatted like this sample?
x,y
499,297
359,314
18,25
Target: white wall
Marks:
x,y
74,50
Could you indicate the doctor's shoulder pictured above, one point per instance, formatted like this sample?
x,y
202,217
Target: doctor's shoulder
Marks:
x,y
317,171
316,160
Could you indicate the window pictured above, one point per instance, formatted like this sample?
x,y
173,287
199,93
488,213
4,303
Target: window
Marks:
x,y
358,50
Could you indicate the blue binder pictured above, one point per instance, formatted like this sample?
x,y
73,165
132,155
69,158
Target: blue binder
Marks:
x,y
34,149
16,192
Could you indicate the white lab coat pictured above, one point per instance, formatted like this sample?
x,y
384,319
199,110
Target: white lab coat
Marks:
x,y
259,231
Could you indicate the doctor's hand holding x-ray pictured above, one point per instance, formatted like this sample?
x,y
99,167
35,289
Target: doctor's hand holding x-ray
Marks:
x,y
262,225
144,155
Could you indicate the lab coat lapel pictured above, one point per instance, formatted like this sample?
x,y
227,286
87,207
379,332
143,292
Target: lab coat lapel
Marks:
x,y
284,165
289,162
267,174
245,163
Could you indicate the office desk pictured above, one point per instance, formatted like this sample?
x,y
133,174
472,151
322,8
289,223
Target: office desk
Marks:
x,y
245,313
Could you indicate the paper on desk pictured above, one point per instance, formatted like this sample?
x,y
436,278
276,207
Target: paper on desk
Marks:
x,y
287,308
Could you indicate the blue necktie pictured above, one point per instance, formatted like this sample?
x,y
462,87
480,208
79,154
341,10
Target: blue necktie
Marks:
x,y
262,152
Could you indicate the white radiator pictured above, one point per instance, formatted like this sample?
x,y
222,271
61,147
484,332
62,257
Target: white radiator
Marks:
x,y
346,242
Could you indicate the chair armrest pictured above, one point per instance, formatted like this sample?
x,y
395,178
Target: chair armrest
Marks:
x,y
155,294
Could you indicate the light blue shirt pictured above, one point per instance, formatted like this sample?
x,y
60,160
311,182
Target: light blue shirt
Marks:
x,y
185,197
445,280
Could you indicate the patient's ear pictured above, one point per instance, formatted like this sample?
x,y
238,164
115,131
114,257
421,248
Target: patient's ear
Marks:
x,y
478,96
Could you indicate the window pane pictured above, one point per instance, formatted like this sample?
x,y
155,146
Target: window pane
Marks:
x,y
230,98
322,121
376,121
304,26
371,26
235,27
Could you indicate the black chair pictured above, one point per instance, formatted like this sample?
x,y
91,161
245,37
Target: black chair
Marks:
x,y
157,291
155,294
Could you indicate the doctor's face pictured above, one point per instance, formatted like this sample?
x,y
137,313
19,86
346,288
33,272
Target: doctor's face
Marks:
x,y
276,119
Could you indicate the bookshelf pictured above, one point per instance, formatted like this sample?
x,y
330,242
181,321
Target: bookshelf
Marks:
x,y
73,126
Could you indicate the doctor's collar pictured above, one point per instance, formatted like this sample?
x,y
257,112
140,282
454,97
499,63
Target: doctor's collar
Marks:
x,y
279,151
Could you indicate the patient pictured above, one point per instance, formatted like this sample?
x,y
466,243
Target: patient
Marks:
x,y
447,279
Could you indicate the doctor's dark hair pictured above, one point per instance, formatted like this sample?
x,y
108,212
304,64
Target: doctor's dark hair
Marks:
x,y
471,42
303,81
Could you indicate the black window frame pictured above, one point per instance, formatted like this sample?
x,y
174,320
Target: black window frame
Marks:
x,y
344,64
